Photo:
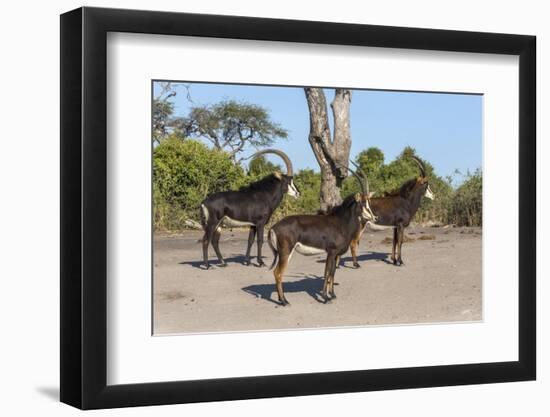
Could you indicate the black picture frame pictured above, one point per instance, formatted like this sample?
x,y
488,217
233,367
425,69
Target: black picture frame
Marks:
x,y
84,207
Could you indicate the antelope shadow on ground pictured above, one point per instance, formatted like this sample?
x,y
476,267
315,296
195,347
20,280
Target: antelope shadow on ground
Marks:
x,y
239,259
346,262
312,285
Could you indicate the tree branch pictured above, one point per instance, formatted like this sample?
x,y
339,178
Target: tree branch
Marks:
x,y
319,131
342,132
332,155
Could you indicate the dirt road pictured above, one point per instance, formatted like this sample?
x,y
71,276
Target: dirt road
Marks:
x,y
440,282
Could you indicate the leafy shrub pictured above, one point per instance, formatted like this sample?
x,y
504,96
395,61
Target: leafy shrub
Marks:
x,y
461,206
184,173
466,208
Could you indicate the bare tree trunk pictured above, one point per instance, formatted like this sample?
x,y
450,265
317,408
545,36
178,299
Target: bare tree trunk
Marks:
x,y
331,153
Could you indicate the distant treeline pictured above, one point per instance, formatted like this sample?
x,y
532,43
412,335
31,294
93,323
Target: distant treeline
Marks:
x,y
185,171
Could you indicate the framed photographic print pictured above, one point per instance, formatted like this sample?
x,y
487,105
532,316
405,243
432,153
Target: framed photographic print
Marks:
x,y
257,208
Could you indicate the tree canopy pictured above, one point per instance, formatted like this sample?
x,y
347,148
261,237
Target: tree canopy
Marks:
x,y
163,111
370,160
163,118
231,126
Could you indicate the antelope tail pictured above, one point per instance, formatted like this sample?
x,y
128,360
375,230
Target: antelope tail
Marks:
x,y
272,241
204,215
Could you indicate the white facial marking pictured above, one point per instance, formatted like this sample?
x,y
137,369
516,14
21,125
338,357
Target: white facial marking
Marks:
x,y
367,213
292,190
429,194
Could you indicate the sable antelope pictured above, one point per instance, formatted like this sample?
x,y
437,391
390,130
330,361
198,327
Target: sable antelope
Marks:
x,y
329,233
251,206
396,209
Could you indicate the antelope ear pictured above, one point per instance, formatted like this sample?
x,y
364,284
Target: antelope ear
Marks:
x,y
371,194
358,197
278,175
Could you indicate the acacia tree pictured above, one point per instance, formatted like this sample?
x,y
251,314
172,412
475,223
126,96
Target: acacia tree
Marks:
x,y
331,151
370,160
231,126
163,110
163,119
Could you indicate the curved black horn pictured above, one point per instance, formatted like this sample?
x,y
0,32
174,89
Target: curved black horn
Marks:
x,y
364,177
420,165
277,152
356,175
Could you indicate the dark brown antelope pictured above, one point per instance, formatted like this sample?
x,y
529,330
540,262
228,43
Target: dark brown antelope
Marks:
x,y
250,206
329,233
396,210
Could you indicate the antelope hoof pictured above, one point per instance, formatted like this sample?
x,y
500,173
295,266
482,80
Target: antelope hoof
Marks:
x,y
247,262
260,264
356,265
285,302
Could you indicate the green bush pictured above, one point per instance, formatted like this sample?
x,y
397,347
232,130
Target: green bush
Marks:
x,y
461,206
260,167
466,208
184,173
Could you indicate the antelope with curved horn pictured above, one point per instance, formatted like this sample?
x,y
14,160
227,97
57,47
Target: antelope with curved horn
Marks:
x,y
329,233
396,210
250,206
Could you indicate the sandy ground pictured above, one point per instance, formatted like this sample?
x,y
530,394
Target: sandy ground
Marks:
x,y
440,282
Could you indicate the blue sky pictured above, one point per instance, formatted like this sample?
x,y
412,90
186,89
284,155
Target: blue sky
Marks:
x,y
445,129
